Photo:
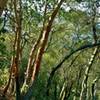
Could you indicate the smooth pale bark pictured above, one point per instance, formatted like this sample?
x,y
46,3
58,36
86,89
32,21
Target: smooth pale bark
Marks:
x,y
62,91
84,82
83,94
2,5
66,90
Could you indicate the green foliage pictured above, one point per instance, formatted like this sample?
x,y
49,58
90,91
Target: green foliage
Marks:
x,y
2,49
4,75
71,29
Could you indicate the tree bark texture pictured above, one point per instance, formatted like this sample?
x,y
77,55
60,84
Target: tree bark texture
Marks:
x,y
43,43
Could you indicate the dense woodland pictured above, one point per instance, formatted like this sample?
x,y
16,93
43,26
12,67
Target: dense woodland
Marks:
x,y
49,50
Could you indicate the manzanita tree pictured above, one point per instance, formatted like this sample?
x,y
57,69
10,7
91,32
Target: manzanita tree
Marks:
x,y
40,33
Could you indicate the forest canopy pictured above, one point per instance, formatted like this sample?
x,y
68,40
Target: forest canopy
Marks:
x,y
49,50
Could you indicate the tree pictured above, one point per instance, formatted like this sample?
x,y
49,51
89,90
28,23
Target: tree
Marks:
x,y
51,48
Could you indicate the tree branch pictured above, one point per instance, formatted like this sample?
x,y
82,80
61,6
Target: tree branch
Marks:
x,y
67,57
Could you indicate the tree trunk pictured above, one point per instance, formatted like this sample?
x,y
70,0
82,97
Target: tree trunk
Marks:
x,y
41,49
44,40
18,16
84,83
32,53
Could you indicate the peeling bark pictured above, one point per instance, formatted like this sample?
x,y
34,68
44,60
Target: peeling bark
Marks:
x,y
93,89
44,42
41,49
32,53
18,17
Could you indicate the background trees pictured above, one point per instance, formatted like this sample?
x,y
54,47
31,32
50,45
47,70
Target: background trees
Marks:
x,y
50,49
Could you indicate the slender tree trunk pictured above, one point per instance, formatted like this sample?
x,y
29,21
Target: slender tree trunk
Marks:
x,y
66,90
18,16
84,83
43,42
11,81
62,91
31,56
30,61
